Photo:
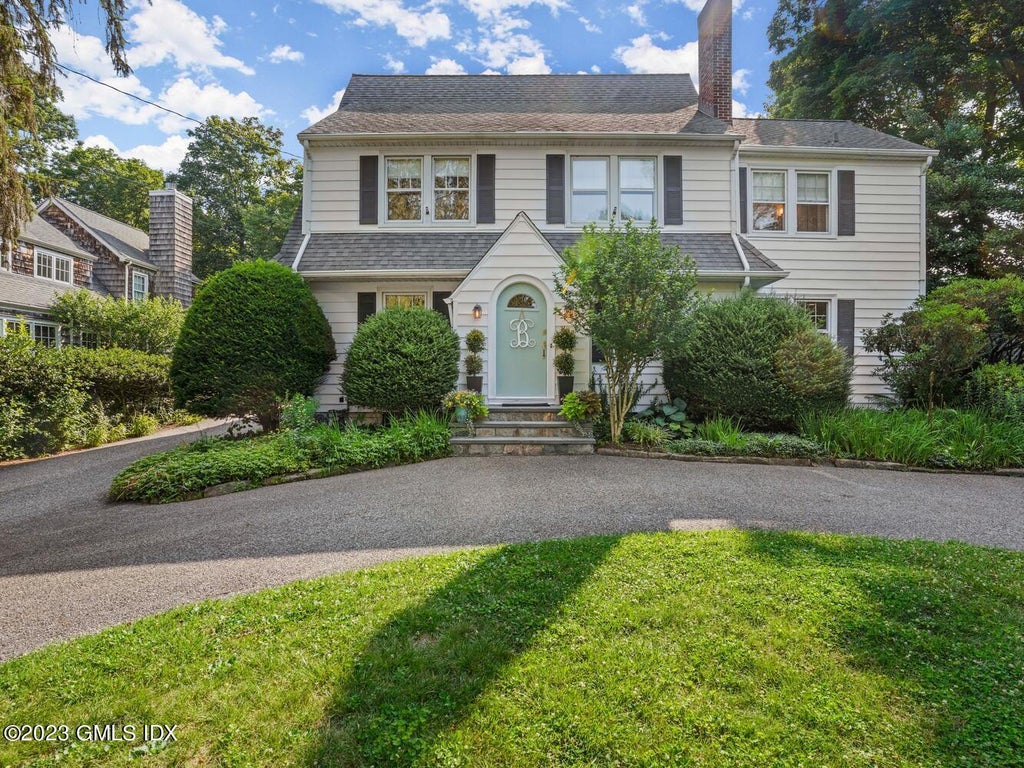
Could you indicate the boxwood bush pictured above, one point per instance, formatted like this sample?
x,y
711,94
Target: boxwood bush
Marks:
x,y
254,335
757,359
402,360
122,380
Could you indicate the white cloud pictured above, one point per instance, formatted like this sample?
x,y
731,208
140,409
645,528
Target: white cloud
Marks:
x,y
644,56
636,13
167,156
285,53
418,28
314,114
169,30
740,110
529,65
740,82
445,67
397,67
201,101
590,26
493,10
595,69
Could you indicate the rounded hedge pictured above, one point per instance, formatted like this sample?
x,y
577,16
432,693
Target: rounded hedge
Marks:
x,y
757,359
402,360
253,336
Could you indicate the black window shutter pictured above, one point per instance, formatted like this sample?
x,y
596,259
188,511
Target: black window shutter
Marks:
x,y
484,189
556,189
366,306
368,189
673,189
743,199
845,324
438,298
847,204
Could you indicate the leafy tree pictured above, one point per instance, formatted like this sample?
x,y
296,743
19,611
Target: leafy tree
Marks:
x,y
55,133
253,336
631,294
28,62
104,181
232,166
944,73
266,222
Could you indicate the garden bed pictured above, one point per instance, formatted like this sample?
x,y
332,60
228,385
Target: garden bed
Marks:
x,y
720,649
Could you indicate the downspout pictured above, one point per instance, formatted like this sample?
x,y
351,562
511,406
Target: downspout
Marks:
x,y
734,205
923,280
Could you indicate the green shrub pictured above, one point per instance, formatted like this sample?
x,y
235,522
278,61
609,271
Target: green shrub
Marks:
x,y
565,363
670,417
186,471
745,354
564,339
474,364
124,381
15,427
750,444
475,341
999,389
254,335
143,424
151,325
944,438
402,360
643,434
722,429
581,406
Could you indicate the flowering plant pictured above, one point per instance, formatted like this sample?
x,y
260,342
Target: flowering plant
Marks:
x,y
473,402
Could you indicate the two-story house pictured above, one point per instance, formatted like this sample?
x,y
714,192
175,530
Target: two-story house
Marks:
x,y
66,247
460,192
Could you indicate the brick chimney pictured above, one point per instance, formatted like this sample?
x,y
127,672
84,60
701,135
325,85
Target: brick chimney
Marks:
x,y
714,58
170,242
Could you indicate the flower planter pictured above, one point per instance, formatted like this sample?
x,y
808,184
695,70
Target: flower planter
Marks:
x,y
475,383
565,384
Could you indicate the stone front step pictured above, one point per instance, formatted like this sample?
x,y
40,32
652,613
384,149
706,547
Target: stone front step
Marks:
x,y
521,446
523,413
526,429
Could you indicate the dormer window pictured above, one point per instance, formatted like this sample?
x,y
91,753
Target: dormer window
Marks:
x,y
54,267
404,188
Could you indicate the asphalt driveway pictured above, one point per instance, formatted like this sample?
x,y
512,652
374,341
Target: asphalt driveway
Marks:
x,y
71,563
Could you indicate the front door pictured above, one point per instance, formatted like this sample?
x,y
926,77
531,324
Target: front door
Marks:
x,y
522,340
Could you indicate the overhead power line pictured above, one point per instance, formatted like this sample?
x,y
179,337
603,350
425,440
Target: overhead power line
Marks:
x,y
170,111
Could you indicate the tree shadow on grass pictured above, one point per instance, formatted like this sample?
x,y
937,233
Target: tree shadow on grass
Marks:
x,y
417,677
944,622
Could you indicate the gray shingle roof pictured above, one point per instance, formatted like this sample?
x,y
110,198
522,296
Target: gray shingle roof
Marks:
x,y
371,251
39,231
24,292
830,134
519,103
124,240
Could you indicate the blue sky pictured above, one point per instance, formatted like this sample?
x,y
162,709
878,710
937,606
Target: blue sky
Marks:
x,y
288,61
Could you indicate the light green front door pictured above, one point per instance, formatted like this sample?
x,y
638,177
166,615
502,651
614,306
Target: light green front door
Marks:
x,y
521,340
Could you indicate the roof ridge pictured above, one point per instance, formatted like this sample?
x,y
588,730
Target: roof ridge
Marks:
x,y
65,201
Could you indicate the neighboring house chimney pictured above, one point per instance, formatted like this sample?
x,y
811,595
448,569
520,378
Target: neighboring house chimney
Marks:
x,y
714,58
170,242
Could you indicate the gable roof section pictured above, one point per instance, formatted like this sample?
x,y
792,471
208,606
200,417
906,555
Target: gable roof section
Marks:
x,y
122,240
644,104
824,134
38,231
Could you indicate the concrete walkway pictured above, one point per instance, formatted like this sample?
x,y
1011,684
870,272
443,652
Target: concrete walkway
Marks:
x,y
71,563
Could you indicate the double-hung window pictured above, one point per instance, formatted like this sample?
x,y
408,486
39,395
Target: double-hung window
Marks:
x,y
589,189
812,202
820,312
54,267
451,188
637,181
769,198
140,286
404,188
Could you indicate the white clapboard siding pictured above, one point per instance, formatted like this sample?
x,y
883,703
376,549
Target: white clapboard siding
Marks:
x,y
879,267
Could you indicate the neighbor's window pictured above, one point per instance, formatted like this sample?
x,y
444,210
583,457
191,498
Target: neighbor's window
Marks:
x,y
589,189
53,267
404,300
819,312
451,188
769,201
404,188
637,179
44,334
140,286
812,202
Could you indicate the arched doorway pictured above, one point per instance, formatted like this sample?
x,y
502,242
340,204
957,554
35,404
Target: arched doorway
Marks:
x,y
521,355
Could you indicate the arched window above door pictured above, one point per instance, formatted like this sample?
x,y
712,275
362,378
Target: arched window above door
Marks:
x,y
521,301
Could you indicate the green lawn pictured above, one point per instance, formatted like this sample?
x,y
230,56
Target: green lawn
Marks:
x,y
713,649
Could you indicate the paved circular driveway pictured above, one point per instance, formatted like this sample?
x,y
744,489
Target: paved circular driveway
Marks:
x,y
71,563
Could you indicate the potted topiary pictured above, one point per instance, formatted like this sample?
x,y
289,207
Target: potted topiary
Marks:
x,y
565,363
473,363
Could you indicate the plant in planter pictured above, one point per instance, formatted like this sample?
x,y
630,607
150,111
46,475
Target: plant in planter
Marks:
x,y
465,406
580,407
565,363
473,363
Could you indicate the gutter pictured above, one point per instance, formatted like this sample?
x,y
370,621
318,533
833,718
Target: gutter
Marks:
x,y
743,259
771,149
381,274
378,136
734,213
301,251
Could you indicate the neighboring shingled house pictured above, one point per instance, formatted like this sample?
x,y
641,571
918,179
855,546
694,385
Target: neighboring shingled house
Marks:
x,y
460,193
65,247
